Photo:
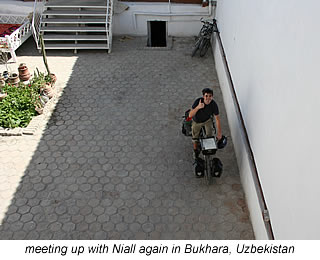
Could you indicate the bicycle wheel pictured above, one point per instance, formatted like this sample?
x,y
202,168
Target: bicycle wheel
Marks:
x,y
207,170
196,46
204,47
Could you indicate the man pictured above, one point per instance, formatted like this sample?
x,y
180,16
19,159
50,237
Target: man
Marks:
x,y
202,111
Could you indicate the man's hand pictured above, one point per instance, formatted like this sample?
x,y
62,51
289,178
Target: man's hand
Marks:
x,y
200,105
218,125
194,111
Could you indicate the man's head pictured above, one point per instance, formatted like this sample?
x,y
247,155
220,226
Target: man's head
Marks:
x,y
207,95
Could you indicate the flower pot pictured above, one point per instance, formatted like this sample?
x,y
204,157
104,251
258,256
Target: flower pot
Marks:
x,y
5,74
53,78
44,99
39,110
48,91
2,96
14,79
2,82
24,73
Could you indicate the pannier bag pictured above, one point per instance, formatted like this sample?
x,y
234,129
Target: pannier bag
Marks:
x,y
217,167
186,124
199,167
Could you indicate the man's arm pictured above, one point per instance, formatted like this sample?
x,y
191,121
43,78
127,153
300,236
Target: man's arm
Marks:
x,y
219,133
194,111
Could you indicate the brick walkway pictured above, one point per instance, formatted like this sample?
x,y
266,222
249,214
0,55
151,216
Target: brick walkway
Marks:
x,y
112,162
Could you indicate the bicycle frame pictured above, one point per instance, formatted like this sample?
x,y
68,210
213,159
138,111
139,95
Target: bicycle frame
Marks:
x,y
208,149
204,37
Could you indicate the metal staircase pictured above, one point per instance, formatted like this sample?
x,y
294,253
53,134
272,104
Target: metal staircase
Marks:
x,y
74,24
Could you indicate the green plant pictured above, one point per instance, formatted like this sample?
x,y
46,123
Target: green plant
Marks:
x,y
40,79
4,59
19,106
44,56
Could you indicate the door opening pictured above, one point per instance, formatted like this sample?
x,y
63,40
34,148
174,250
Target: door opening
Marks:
x,y
157,34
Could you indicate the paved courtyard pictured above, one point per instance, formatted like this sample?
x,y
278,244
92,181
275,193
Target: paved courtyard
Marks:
x,y
108,160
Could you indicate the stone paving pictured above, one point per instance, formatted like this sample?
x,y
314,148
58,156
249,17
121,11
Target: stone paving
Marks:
x,y
110,162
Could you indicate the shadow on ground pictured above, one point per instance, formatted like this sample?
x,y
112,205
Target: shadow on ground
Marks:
x,y
112,162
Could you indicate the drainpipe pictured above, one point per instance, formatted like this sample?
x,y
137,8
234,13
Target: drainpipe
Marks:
x,y
253,166
169,13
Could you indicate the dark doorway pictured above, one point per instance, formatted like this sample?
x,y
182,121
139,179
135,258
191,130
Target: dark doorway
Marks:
x,y
157,34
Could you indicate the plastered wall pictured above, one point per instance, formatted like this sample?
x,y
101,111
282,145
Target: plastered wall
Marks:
x,y
272,48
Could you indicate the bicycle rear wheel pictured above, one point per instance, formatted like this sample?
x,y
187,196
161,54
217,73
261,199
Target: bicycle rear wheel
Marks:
x,y
196,46
204,47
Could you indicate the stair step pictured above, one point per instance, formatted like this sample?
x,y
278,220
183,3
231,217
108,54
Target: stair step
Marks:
x,y
64,37
75,12
78,46
73,29
76,5
77,21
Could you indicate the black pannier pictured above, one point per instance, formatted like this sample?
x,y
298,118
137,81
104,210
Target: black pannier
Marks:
x,y
186,124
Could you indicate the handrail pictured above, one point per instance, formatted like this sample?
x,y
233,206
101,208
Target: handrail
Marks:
x,y
109,13
10,43
38,9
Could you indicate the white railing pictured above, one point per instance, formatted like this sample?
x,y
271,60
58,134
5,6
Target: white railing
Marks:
x,y
39,7
109,23
11,42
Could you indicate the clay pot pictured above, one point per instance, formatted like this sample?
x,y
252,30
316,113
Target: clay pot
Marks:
x,y
2,96
53,78
24,73
5,74
48,91
39,110
2,82
44,99
14,79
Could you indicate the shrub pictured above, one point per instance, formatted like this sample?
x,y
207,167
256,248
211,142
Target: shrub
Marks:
x,y
18,107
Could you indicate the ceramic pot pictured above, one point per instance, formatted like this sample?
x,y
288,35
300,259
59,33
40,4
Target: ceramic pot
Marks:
x,y
14,79
39,110
44,99
2,96
53,78
2,82
5,74
48,91
24,73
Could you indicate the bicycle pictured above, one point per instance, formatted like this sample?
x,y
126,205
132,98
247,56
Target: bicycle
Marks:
x,y
208,147
203,40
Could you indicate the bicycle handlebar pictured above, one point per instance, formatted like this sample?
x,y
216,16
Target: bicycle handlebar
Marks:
x,y
213,22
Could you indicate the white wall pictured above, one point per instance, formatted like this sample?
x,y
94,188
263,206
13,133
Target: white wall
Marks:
x,y
183,19
9,7
273,52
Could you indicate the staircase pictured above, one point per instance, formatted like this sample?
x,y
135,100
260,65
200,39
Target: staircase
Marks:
x,y
74,24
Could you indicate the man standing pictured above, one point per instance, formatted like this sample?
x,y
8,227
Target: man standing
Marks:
x,y
201,113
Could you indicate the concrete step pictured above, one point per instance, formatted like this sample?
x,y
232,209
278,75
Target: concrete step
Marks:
x,y
77,46
76,5
74,21
66,24
69,37
73,29
75,13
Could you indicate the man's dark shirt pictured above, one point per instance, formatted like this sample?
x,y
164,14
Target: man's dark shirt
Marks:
x,y
205,113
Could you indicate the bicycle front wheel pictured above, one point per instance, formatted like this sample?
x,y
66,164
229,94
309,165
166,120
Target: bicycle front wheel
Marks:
x,y
196,46
204,47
